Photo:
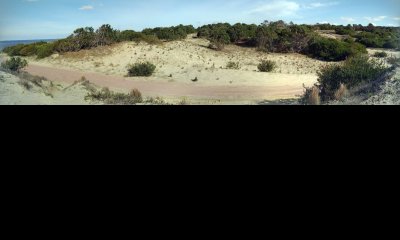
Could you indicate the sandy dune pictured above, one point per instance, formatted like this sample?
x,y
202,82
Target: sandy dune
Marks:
x,y
178,63
13,93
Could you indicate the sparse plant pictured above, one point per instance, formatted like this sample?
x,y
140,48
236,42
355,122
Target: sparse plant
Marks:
x,y
233,65
393,61
14,64
341,92
380,55
266,66
141,69
108,97
311,96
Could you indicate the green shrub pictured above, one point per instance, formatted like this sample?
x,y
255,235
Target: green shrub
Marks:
x,y
353,72
150,39
380,54
28,50
14,64
141,70
233,65
266,66
14,50
334,50
45,50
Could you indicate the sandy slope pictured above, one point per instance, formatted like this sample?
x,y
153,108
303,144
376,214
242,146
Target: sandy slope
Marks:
x,y
13,93
181,61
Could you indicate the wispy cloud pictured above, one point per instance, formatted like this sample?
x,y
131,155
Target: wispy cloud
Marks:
x,y
277,8
348,19
86,8
319,5
375,19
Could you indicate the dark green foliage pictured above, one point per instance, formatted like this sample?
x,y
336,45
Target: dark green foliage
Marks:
x,y
333,50
129,35
233,65
45,50
14,50
24,50
105,35
353,72
170,33
141,70
266,66
14,64
380,54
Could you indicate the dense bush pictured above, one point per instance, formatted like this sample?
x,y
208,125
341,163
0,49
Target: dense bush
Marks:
x,y
14,64
24,50
105,35
283,38
141,70
45,50
333,50
351,73
266,66
380,54
170,33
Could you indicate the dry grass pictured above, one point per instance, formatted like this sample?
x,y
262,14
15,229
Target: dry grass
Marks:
x,y
311,96
341,93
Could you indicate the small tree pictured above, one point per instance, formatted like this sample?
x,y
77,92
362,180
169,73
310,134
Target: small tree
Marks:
x,y
105,35
15,64
219,38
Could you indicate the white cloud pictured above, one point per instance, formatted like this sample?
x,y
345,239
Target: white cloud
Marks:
x,y
375,19
277,8
348,19
319,5
396,18
86,8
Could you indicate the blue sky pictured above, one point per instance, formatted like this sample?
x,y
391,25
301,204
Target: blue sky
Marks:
x,y
35,19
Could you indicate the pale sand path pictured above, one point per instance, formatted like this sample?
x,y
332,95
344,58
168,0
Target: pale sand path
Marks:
x,y
270,91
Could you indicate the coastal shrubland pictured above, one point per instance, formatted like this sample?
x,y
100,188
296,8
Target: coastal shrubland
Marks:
x,y
272,37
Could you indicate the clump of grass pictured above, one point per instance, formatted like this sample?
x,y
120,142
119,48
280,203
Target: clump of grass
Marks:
x,y
155,101
380,54
311,96
195,79
233,65
266,66
393,61
341,92
141,69
112,98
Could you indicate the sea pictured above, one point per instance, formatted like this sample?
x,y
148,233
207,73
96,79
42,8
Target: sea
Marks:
x,y
4,44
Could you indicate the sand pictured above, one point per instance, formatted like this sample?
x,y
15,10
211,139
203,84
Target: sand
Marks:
x,y
12,92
